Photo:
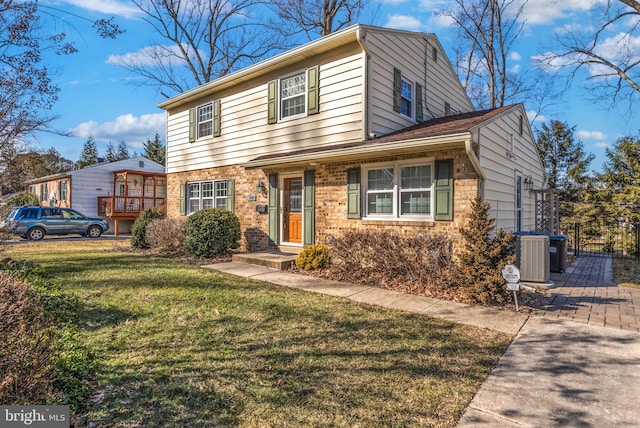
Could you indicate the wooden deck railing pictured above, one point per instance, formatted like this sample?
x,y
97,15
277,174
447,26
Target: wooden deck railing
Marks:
x,y
126,205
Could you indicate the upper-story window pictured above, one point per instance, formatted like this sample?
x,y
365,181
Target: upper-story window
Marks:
x,y
407,96
402,190
406,106
205,120
293,95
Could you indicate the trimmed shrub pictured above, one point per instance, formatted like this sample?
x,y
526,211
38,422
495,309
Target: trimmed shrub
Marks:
x,y
211,232
27,344
418,264
139,229
166,234
314,257
479,266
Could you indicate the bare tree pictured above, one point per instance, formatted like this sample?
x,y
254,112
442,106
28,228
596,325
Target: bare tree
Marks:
x,y
201,41
609,54
316,17
27,94
487,30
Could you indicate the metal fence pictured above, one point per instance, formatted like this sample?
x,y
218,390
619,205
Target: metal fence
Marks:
x,y
620,239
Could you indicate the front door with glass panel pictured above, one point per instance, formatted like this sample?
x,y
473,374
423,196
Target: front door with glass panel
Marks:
x,y
292,210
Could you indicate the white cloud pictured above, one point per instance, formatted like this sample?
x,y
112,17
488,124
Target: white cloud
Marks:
x,y
515,56
127,127
602,145
540,12
149,56
591,135
403,22
108,7
535,118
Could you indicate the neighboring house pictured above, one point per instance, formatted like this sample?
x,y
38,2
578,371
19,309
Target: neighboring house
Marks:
x,y
117,190
364,128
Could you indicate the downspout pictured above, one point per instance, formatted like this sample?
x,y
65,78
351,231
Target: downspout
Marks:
x,y
365,97
468,146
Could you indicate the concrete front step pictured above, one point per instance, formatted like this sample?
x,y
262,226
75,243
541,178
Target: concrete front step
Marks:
x,y
282,261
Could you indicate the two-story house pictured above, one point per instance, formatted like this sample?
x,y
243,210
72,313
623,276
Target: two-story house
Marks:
x,y
365,128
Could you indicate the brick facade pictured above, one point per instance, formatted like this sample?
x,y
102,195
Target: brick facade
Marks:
x,y
330,198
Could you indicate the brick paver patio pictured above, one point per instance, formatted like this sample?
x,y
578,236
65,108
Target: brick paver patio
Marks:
x,y
587,293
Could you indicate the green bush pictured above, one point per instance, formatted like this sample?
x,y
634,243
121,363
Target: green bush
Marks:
x,y
139,229
314,257
45,360
479,266
210,232
19,200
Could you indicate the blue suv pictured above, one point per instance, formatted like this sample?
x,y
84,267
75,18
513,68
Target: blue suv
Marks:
x,y
36,222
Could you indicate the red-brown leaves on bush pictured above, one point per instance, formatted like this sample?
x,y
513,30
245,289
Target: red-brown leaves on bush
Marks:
x,y
26,344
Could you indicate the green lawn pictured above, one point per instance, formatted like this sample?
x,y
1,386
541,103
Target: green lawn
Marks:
x,y
184,346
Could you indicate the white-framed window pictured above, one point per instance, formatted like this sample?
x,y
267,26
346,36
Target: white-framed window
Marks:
x,y
205,120
400,190
62,190
406,96
206,194
293,95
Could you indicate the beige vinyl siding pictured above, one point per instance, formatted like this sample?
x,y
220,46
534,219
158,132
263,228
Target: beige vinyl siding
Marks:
x,y
443,84
500,169
391,50
245,133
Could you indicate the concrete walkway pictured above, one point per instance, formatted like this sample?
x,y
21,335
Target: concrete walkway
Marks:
x,y
576,363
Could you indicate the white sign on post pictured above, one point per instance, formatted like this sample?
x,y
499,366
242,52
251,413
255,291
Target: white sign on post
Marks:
x,y
511,274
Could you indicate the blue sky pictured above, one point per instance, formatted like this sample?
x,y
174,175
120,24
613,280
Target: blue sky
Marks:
x,y
101,99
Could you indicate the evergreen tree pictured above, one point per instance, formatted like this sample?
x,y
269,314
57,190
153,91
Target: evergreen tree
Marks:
x,y
111,155
478,269
89,154
123,152
154,150
621,179
567,167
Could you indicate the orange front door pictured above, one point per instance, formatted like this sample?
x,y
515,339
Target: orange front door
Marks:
x,y
292,209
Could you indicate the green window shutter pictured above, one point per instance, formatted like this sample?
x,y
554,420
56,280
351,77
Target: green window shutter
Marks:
x,y
397,90
353,193
444,190
192,125
272,102
273,209
183,199
309,232
216,118
419,110
231,190
313,90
